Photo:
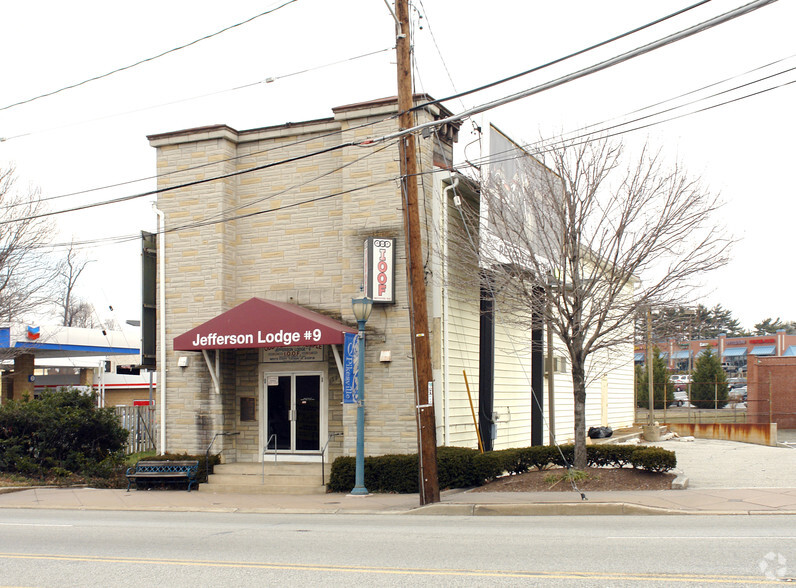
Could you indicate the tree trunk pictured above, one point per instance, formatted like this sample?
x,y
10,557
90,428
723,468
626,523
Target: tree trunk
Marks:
x,y
579,391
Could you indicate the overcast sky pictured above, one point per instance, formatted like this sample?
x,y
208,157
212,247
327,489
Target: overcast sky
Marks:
x,y
95,135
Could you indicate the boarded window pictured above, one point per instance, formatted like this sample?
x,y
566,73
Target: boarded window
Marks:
x,y
247,404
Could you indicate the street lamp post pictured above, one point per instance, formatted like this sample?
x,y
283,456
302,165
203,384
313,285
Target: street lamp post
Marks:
x,y
362,307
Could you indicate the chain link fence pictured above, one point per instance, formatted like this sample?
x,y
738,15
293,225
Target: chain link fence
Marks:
x,y
756,402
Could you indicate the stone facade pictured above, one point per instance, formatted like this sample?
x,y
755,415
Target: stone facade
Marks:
x,y
290,232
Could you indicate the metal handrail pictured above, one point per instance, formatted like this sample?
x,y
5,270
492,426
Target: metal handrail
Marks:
x,y
323,452
265,449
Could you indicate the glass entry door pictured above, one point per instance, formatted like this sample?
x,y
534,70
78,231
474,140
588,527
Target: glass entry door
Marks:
x,y
293,412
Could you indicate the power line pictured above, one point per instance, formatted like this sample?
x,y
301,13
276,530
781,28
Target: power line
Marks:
x,y
154,57
128,238
312,138
267,80
460,166
543,146
628,55
456,166
561,59
179,186
484,107
537,68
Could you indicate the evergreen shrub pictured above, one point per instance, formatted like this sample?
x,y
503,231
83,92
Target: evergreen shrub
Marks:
x,y
460,467
654,459
60,433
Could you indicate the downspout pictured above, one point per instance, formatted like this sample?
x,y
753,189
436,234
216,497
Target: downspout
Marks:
x,y
445,303
161,261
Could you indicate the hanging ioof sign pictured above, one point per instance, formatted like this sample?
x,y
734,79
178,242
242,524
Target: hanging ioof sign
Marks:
x,y
380,269
350,368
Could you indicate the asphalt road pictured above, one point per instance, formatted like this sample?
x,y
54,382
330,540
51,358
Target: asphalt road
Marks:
x,y
110,548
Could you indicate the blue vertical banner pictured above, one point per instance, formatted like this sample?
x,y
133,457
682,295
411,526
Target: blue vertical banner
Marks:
x,y
350,368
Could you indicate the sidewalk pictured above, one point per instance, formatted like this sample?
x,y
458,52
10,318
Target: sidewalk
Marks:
x,y
716,501
724,478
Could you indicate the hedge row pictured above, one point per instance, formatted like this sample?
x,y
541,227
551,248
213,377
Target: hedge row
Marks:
x,y
460,467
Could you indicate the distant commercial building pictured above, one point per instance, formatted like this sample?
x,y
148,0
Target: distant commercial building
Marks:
x,y
735,352
34,358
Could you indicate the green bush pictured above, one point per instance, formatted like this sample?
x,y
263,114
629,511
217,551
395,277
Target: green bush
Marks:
x,y
610,455
342,476
61,431
391,473
539,457
460,467
654,459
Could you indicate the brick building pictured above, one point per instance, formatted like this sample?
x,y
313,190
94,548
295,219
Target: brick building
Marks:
x,y
260,269
771,385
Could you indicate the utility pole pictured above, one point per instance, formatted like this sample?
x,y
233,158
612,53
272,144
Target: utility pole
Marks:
x,y
418,313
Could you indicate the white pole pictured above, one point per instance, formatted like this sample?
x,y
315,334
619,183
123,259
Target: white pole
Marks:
x,y
161,261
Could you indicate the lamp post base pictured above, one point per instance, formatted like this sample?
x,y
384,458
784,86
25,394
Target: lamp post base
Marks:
x,y
359,491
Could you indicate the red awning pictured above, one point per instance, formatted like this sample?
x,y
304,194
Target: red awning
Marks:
x,y
263,323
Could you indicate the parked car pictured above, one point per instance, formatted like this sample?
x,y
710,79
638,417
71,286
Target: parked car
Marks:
x,y
680,381
738,394
680,399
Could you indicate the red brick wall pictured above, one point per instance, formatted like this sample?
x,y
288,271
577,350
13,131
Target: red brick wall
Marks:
x,y
771,385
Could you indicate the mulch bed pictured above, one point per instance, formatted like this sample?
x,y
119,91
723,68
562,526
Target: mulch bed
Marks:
x,y
598,479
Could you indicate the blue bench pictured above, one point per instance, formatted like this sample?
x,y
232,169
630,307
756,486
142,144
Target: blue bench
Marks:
x,y
162,472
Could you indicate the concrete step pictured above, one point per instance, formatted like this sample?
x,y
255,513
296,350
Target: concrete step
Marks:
x,y
268,480
250,489
249,468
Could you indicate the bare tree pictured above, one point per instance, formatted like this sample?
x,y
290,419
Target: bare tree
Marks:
x,y
585,242
74,312
25,271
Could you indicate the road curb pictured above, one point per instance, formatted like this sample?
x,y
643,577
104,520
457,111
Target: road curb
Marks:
x,y
545,509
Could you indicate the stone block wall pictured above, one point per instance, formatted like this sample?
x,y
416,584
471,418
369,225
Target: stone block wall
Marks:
x,y
294,233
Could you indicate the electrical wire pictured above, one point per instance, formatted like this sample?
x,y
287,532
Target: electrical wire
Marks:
x,y
281,146
198,97
221,217
458,167
605,64
439,52
136,237
671,38
147,59
545,145
582,51
561,59
449,97
179,186
224,215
